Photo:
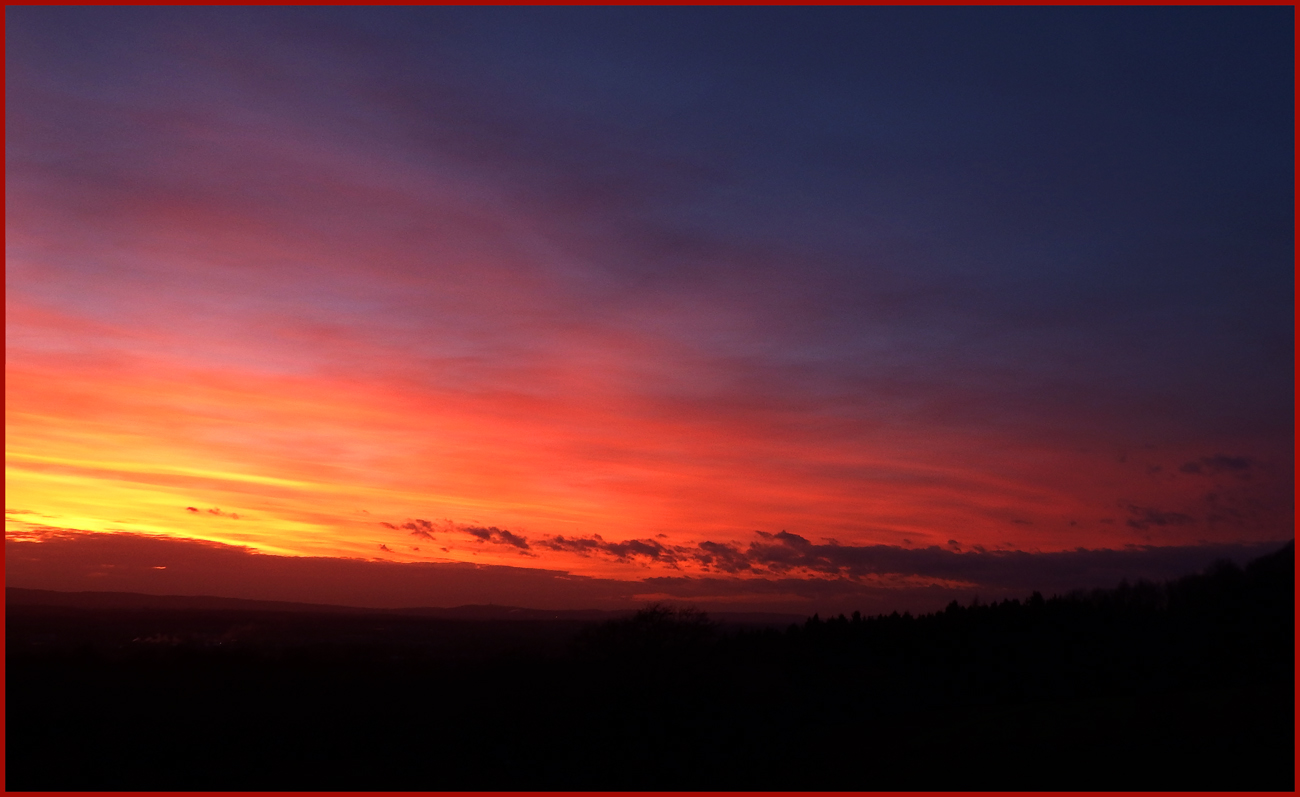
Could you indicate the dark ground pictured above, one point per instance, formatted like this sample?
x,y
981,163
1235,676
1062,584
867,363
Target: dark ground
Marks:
x,y
1182,686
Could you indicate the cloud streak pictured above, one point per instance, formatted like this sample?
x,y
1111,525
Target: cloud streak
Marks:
x,y
625,551
1219,463
1145,517
497,536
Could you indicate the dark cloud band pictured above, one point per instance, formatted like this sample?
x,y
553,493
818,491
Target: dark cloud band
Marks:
x,y
798,575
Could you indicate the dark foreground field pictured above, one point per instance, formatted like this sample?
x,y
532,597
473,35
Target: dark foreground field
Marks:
x,y
1182,686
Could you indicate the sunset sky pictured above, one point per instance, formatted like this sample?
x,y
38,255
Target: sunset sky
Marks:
x,y
780,308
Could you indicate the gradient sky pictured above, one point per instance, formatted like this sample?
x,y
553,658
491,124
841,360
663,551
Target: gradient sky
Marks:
x,y
746,306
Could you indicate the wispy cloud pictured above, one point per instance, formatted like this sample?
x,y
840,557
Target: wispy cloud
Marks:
x,y
495,535
627,550
1145,517
419,528
1219,463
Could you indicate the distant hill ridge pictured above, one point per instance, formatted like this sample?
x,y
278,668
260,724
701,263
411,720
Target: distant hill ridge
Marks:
x,y
18,596
1278,563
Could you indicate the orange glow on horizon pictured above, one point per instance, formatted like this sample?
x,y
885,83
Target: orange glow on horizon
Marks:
x,y
315,465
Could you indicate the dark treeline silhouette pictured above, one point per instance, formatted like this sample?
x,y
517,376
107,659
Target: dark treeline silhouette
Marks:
x,y
1186,685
